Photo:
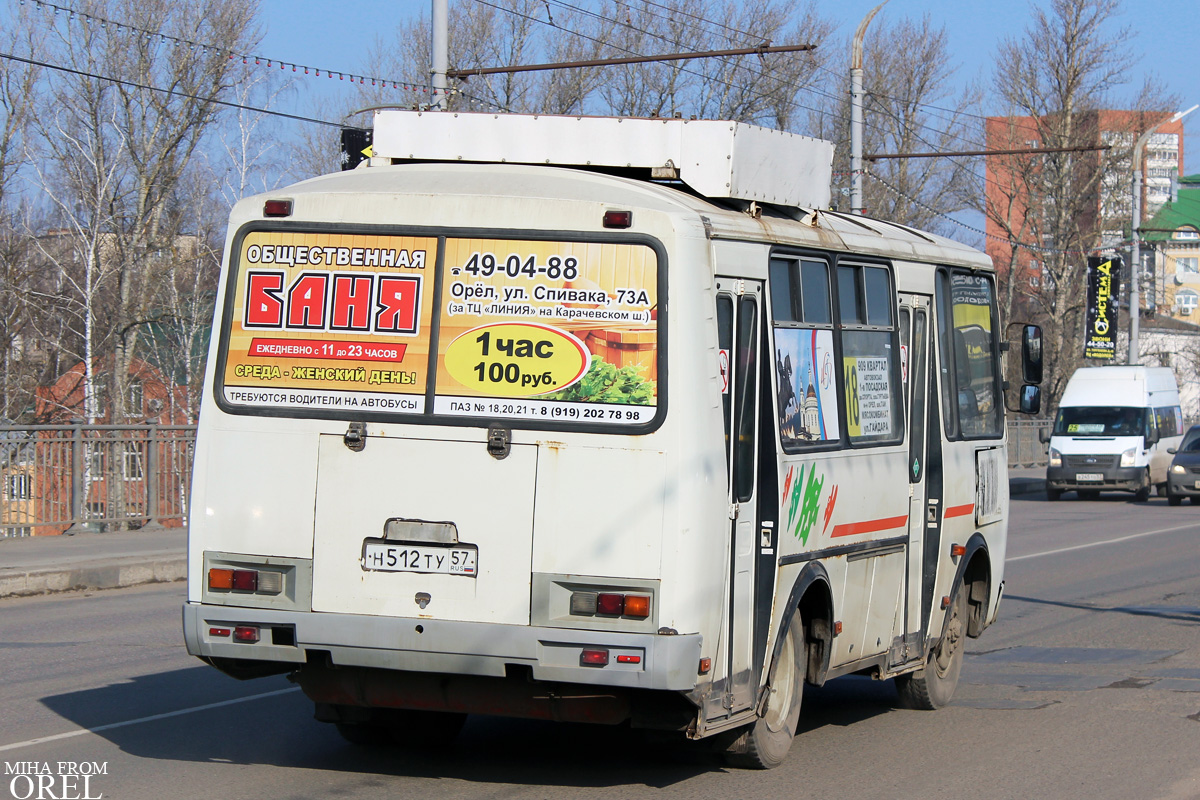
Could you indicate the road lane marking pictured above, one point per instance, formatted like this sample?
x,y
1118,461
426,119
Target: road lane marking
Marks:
x,y
1118,540
152,718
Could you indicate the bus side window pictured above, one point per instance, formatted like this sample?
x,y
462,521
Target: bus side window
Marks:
x,y
969,375
870,366
803,352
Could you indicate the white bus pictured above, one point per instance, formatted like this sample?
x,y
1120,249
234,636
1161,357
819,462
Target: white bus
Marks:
x,y
594,419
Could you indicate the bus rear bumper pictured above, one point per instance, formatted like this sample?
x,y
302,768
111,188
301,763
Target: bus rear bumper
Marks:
x,y
287,640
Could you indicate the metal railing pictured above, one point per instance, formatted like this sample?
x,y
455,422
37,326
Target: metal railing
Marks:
x,y
60,478
1024,449
57,478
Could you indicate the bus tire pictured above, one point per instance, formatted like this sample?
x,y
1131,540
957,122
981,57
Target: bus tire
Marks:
x,y
765,742
932,686
1053,495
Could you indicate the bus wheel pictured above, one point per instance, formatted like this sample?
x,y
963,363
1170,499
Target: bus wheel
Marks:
x,y
765,743
1053,494
933,685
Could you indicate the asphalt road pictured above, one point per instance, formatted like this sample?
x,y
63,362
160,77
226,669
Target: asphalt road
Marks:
x,y
1088,687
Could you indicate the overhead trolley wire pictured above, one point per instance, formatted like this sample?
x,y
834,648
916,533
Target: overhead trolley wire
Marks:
x,y
173,92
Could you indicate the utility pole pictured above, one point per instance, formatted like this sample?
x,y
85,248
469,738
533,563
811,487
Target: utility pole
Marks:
x,y
1135,255
439,53
856,112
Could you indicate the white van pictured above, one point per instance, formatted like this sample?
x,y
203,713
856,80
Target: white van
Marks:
x,y
1112,432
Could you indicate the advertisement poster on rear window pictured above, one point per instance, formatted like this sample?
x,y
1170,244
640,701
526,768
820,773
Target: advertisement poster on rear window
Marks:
x,y
548,331
535,330
330,321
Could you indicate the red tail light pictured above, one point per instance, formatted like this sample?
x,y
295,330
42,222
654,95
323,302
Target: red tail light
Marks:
x,y
610,605
277,208
618,219
594,658
245,580
245,633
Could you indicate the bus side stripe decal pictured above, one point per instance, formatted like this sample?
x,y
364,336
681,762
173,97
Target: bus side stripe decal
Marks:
x,y
870,526
960,511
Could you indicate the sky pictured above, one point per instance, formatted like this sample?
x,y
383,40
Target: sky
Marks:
x,y
334,36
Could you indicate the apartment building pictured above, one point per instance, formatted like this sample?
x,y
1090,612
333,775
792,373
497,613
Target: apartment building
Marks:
x,y
1107,209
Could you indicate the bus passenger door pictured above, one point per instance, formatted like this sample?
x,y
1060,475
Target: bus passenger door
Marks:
x,y
738,319
914,339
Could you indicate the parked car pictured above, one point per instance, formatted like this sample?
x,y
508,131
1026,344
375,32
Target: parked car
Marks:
x,y
1183,478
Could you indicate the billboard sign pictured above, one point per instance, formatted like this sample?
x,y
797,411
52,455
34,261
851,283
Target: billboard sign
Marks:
x,y
1103,293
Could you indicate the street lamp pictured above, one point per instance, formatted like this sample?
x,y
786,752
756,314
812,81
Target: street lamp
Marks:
x,y
1135,267
856,112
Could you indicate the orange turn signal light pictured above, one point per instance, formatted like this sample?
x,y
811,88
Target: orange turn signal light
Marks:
x,y
637,605
220,578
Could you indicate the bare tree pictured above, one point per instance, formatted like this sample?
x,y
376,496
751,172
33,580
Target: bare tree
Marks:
x,y
143,99
762,89
176,340
247,156
1054,82
17,82
910,107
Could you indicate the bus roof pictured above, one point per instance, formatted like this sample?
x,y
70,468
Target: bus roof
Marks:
x,y
716,158
724,219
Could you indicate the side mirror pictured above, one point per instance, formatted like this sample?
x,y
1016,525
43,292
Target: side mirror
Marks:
x,y
1031,355
1044,435
1151,439
1172,450
1031,399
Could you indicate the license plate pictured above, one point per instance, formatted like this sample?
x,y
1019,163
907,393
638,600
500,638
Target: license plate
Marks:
x,y
1198,484
396,557
1089,476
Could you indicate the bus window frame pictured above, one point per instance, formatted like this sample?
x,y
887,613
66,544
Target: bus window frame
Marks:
x,y
861,264
833,261
231,267
947,372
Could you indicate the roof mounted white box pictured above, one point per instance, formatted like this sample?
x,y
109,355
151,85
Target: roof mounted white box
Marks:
x,y
717,159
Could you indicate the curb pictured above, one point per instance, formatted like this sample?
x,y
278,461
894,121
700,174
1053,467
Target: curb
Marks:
x,y
98,575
